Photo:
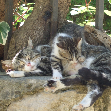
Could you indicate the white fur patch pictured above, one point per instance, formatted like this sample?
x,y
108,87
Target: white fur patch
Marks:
x,y
38,70
88,62
16,73
56,75
86,102
27,68
14,59
78,107
33,65
59,85
55,47
38,48
104,75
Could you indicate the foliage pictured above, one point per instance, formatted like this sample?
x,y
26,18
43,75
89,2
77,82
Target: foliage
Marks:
x,y
109,1
79,13
4,29
21,13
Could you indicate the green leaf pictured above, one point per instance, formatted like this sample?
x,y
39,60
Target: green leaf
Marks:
x,y
4,29
5,26
1,40
25,16
109,1
107,12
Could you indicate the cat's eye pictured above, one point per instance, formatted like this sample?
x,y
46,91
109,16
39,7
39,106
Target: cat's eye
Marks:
x,y
22,63
78,57
20,55
28,57
35,57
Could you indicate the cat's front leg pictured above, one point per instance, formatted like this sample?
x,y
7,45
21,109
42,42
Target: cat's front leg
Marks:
x,y
102,78
16,73
52,86
57,75
56,68
93,94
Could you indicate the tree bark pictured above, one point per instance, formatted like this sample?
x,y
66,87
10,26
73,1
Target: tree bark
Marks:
x,y
99,14
54,18
38,25
9,20
97,37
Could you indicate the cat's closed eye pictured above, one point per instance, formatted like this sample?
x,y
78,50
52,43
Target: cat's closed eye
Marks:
x,y
22,63
20,55
28,58
35,57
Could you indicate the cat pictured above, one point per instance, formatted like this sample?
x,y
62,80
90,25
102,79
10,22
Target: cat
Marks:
x,y
86,64
31,61
65,45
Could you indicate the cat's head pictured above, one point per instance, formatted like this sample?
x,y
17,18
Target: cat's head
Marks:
x,y
26,59
70,48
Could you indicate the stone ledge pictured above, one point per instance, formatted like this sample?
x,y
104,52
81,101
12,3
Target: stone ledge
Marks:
x,y
13,89
26,94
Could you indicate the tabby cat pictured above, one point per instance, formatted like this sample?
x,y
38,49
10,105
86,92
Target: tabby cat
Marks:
x,y
86,64
31,62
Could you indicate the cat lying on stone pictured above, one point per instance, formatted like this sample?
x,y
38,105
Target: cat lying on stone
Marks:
x,y
31,62
86,64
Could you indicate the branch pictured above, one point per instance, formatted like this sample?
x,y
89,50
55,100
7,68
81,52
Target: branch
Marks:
x,y
87,4
20,16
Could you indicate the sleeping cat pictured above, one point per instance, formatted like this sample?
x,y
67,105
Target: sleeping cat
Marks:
x,y
87,64
31,62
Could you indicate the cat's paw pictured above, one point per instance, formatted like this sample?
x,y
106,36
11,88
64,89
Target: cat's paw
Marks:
x,y
53,86
85,73
16,73
57,77
10,73
50,86
78,107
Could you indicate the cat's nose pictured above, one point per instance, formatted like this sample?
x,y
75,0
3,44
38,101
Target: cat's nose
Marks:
x,y
29,64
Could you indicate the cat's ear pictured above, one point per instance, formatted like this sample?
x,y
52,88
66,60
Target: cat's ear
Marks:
x,y
79,40
7,63
30,44
61,45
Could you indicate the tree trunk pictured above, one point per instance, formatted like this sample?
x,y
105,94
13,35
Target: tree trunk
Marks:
x,y
38,25
99,14
9,20
54,18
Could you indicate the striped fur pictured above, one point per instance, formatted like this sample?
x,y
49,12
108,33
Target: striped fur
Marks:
x,y
65,54
32,62
86,64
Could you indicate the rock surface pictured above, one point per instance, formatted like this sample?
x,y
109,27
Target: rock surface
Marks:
x,y
13,89
48,102
27,94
